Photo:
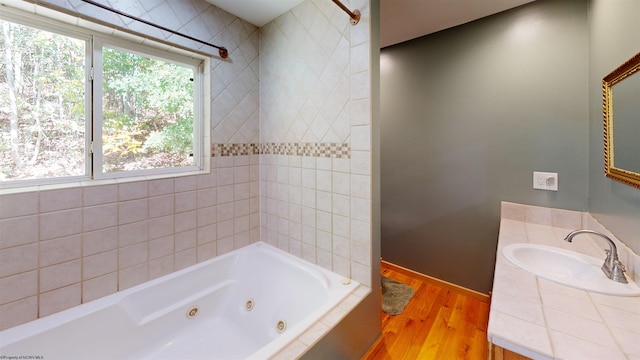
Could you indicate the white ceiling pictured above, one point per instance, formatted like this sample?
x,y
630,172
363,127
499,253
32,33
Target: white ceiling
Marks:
x,y
400,20
257,12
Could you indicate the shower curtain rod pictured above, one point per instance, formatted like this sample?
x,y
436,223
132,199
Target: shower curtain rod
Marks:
x,y
355,15
221,49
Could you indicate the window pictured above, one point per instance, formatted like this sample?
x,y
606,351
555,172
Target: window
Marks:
x,y
145,113
42,103
78,106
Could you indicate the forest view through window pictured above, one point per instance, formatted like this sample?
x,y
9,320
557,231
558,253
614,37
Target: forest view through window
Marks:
x,y
147,112
42,104
146,118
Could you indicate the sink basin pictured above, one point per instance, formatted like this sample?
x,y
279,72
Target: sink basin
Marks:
x,y
567,268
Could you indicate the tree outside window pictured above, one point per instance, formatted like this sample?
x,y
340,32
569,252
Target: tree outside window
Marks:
x,y
147,121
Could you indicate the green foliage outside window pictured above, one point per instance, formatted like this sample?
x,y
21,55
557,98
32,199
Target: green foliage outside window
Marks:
x,y
147,112
147,107
42,106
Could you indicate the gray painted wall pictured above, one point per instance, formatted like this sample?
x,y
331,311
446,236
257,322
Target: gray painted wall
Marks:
x,y
467,115
614,38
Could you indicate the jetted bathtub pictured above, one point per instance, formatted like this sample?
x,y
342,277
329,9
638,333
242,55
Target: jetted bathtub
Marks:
x,y
246,304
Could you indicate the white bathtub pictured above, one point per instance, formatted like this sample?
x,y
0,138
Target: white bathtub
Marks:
x,y
244,299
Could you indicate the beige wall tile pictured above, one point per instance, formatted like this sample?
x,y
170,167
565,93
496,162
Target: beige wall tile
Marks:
x,y
60,250
98,195
341,226
133,276
206,197
18,312
60,275
18,259
225,212
160,267
185,240
59,299
160,187
225,194
63,199
98,287
161,206
207,180
185,258
185,221
18,231
132,211
207,234
206,216
160,227
100,217
12,205
185,183
98,241
360,162
133,233
185,201
133,190
161,247
133,255
360,186
60,223
207,251
18,286
100,264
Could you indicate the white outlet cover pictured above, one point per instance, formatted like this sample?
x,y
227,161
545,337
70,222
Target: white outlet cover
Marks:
x,y
545,180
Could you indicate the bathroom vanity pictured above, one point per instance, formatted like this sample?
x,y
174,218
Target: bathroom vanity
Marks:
x,y
532,317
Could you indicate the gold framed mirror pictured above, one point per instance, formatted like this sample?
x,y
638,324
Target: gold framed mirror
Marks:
x,y
622,132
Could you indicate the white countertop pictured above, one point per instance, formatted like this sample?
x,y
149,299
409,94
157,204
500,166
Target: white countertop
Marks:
x,y
545,320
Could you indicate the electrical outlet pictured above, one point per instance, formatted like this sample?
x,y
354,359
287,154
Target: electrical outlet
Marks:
x,y
545,180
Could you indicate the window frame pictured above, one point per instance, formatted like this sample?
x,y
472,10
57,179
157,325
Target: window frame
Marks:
x,y
197,65
47,24
66,25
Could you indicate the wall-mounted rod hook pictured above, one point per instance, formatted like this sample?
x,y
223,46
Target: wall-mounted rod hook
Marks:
x,y
355,14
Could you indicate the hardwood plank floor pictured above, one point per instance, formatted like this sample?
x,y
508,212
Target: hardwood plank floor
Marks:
x,y
438,323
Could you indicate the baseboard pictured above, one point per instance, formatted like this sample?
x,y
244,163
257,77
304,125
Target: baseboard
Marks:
x,y
431,280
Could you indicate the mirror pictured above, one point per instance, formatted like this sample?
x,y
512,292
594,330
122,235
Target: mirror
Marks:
x,y
622,131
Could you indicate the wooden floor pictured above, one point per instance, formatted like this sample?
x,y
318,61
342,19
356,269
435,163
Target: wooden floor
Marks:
x,y
438,323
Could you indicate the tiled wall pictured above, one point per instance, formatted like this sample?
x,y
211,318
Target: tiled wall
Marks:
x,y
60,248
304,185
315,88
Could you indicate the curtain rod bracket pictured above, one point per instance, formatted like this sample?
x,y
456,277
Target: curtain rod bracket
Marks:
x,y
355,14
356,17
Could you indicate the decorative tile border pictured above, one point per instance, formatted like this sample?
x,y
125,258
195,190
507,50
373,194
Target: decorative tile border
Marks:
x,y
327,150
234,149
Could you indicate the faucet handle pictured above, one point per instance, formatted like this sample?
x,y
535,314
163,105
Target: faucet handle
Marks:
x,y
620,265
617,273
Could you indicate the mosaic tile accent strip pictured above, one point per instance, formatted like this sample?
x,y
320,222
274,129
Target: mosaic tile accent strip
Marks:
x,y
327,150
234,149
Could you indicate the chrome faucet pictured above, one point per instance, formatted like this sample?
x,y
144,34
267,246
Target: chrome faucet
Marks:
x,y
612,267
